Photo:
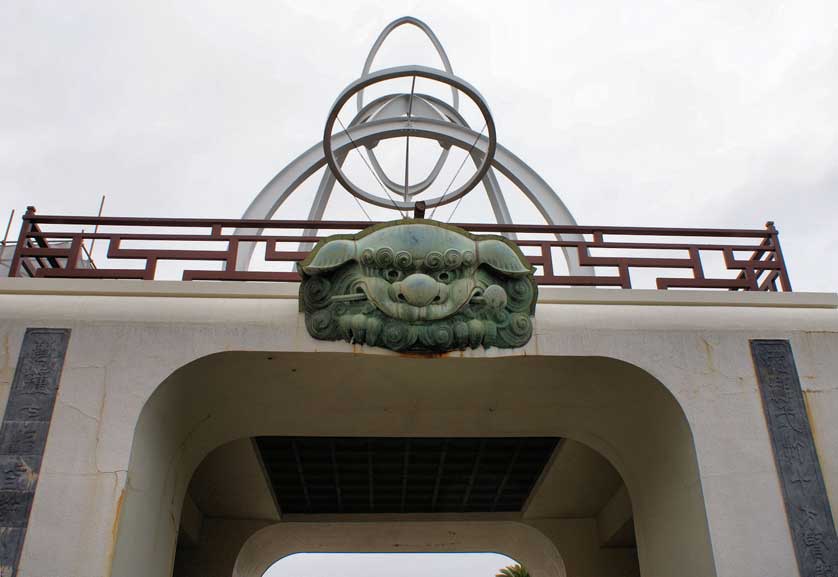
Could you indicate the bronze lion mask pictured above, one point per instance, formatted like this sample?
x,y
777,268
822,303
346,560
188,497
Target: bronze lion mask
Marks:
x,y
418,285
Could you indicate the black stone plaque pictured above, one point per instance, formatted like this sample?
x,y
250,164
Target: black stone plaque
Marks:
x,y
23,435
804,492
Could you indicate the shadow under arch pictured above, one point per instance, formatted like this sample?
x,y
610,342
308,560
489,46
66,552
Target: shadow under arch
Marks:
x,y
616,408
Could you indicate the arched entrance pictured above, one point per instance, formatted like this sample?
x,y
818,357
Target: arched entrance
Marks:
x,y
618,410
521,542
388,564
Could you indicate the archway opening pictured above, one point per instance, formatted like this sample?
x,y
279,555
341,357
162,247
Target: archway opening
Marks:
x,y
616,495
389,564
399,494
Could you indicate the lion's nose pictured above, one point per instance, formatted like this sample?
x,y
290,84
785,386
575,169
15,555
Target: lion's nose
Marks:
x,y
418,290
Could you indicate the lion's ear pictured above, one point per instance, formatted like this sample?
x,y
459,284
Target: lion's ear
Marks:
x,y
328,256
503,258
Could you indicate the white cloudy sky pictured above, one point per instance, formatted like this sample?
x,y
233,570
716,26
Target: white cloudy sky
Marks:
x,y
662,113
390,565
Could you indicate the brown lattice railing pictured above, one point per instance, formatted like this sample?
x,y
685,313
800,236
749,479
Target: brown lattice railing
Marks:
x,y
742,259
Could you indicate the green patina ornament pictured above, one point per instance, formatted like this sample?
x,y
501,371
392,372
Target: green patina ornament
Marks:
x,y
419,286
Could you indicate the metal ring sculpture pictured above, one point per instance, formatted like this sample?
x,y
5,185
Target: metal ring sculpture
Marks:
x,y
402,72
443,56
411,190
386,117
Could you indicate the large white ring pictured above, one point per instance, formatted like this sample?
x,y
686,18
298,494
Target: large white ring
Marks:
x,y
402,72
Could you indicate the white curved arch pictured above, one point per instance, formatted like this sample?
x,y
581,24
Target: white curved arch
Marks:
x,y
386,115
403,105
407,190
523,543
443,56
394,107
274,194
396,72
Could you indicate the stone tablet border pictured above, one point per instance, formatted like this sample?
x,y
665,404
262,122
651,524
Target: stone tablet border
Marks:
x,y
23,435
798,467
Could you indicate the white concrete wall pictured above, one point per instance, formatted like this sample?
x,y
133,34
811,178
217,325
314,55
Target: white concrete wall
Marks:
x,y
91,516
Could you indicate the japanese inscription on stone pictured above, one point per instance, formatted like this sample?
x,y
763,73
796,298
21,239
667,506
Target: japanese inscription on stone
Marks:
x,y
807,506
23,435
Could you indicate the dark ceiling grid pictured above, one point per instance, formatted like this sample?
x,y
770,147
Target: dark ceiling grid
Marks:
x,y
333,475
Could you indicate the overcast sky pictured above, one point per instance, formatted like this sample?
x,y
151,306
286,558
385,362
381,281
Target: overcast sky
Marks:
x,y
390,565
704,114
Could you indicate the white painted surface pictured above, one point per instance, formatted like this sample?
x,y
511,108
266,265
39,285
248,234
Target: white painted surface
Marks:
x,y
123,347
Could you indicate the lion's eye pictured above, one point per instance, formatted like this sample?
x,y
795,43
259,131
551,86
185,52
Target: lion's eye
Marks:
x,y
392,274
444,276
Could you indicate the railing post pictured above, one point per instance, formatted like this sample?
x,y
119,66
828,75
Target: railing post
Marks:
x,y
25,229
775,242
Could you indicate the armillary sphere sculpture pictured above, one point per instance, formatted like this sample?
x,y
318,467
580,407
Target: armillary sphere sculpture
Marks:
x,y
414,284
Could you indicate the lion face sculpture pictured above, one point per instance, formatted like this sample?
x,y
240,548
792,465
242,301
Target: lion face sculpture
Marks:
x,y
418,285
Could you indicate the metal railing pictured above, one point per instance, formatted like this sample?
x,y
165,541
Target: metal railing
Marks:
x,y
750,259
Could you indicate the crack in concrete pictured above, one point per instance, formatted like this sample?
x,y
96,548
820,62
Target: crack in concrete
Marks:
x,y
70,474
78,410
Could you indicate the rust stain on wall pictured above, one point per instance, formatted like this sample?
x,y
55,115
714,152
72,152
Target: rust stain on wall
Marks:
x,y
115,528
811,414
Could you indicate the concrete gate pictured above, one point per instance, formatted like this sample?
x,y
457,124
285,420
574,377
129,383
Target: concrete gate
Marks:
x,y
656,402
412,385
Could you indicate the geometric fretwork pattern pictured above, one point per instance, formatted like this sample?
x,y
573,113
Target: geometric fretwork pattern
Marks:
x,y
134,247
331,475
